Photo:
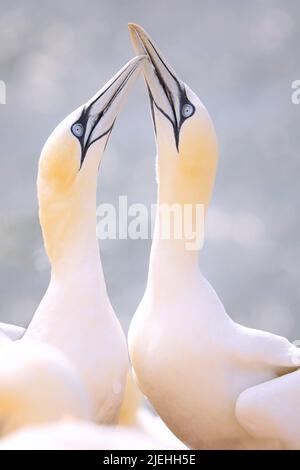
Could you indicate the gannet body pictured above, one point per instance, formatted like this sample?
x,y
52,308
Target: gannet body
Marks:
x,y
75,314
38,384
272,410
190,359
134,416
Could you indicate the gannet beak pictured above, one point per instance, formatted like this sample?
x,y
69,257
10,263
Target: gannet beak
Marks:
x,y
100,112
166,90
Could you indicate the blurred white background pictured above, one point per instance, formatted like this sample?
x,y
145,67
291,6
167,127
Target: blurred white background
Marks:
x,y
241,59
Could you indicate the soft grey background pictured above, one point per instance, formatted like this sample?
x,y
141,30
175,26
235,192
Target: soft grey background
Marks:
x,y
240,58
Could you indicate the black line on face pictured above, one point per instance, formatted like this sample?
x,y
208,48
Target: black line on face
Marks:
x,y
108,135
170,100
85,115
83,119
165,65
108,132
84,148
183,99
152,108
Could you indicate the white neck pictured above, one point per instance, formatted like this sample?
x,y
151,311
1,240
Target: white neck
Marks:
x,y
78,258
172,260
77,289
79,269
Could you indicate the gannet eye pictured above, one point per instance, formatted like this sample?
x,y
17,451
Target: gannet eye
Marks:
x,y
77,129
187,110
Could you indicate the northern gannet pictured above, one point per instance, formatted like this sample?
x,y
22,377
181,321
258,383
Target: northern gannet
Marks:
x,y
75,314
38,384
133,415
189,357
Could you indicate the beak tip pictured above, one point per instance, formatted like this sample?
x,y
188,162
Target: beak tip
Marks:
x,y
136,33
132,26
139,60
136,29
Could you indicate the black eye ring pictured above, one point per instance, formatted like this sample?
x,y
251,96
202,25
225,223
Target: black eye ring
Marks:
x,y
77,129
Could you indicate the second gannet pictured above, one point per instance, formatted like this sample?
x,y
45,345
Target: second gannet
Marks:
x,y
189,357
38,384
75,315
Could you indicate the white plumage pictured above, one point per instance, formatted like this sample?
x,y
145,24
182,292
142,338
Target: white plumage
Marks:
x,y
38,384
272,410
190,359
75,317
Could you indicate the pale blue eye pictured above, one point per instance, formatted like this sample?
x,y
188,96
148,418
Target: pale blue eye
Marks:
x,y
187,110
77,129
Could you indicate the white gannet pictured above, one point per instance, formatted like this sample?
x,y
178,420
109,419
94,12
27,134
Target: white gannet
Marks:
x,y
38,384
189,357
75,314
134,415
271,410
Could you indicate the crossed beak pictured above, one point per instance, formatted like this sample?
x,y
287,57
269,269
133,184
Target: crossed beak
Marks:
x,y
167,92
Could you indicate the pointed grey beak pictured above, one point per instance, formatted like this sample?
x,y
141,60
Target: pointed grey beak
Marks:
x,y
100,112
167,92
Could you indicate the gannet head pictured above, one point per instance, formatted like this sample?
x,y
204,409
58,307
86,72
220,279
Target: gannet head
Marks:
x,y
71,156
81,137
185,136
38,384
